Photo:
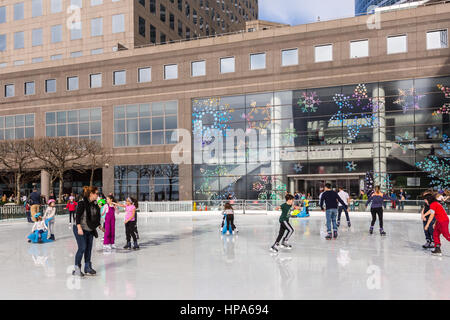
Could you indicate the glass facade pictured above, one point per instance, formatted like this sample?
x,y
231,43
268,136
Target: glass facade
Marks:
x,y
145,124
258,146
82,123
362,6
147,182
19,126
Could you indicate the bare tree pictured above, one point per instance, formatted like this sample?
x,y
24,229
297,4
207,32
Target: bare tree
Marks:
x,y
16,156
171,172
96,157
58,155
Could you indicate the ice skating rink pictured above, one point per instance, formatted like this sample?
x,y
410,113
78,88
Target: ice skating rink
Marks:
x,y
186,258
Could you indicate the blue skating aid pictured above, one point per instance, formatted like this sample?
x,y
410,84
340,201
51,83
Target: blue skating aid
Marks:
x,y
300,214
34,237
224,229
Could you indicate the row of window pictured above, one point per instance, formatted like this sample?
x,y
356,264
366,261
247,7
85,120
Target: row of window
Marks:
x,y
37,8
56,32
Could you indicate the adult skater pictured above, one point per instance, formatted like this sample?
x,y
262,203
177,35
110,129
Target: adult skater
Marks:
x,y
35,201
440,226
331,199
377,199
284,224
87,220
428,232
345,197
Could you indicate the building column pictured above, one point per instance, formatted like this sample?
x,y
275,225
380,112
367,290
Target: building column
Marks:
x,y
379,139
108,180
45,184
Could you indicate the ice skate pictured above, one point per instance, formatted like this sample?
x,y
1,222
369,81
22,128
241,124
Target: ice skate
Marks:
x,y
382,232
349,224
113,246
335,235
274,248
285,245
428,245
371,230
128,245
77,272
328,236
437,252
135,246
88,269
338,224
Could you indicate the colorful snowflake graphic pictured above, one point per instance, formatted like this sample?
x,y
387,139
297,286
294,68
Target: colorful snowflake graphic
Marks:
x,y
269,188
385,179
298,168
432,132
289,136
445,109
309,102
351,166
405,142
258,117
360,93
408,99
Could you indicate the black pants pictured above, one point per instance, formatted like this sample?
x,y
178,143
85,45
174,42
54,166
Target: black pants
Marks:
x,y
429,232
233,227
72,213
130,231
340,208
284,226
375,212
230,222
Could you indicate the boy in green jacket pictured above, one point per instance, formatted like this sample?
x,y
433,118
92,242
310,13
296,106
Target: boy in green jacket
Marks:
x,y
284,224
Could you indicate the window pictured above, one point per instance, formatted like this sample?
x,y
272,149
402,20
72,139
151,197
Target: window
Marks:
x,y
324,53
97,51
56,33
9,90
18,11
76,54
96,80
289,57
152,34
55,6
359,49
19,62
19,40
36,8
142,26
145,74
227,65
118,23
2,42
19,126
170,72
119,77
172,21
56,57
187,10
72,83
29,88
76,3
37,60
75,31
50,85
96,27
257,61
437,39
180,28
78,123
36,37
198,68
162,13
145,124
2,14
397,44
180,5
153,6
96,2
142,2
162,38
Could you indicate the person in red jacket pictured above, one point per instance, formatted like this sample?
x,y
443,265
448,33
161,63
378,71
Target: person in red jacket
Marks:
x,y
72,207
441,224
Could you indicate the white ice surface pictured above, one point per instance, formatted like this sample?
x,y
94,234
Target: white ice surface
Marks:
x,y
185,257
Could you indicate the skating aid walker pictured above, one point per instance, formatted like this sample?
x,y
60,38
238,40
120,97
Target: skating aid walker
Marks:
x,y
300,214
224,228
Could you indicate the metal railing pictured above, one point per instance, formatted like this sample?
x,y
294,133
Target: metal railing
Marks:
x,y
12,211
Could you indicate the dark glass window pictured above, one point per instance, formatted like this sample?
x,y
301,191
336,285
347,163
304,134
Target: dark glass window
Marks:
x,y
142,26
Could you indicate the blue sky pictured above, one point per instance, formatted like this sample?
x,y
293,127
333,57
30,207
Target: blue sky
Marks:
x,y
296,12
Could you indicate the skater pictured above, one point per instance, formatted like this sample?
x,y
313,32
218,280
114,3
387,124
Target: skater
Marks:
x,y
305,205
284,224
87,220
428,232
28,211
130,223
110,224
331,200
35,201
440,226
39,231
49,218
228,215
345,197
72,207
377,199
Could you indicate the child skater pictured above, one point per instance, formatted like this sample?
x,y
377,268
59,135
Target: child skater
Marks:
x,y
72,207
38,232
49,218
429,232
228,214
110,223
284,224
440,226
130,222
102,205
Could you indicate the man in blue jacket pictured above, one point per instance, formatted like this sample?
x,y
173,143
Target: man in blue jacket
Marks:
x,y
331,200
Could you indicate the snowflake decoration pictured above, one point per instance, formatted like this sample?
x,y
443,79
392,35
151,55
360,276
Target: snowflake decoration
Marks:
x,y
298,168
360,93
445,145
309,102
408,99
385,180
342,101
351,166
289,136
445,109
258,112
432,132
405,142
210,110
445,90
